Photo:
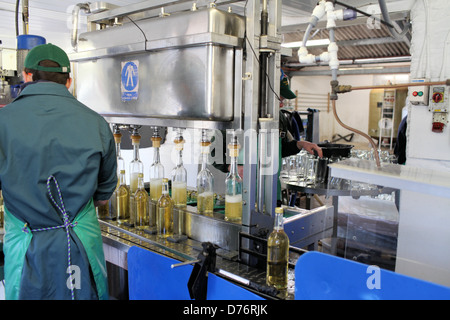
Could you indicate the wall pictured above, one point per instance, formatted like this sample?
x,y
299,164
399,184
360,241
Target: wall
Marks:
x,y
430,60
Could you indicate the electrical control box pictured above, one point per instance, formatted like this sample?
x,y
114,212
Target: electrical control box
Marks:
x,y
439,106
418,94
439,98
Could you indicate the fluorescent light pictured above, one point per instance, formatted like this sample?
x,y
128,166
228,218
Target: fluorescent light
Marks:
x,y
310,43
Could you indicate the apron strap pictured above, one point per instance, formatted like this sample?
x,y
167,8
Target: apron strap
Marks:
x,y
66,225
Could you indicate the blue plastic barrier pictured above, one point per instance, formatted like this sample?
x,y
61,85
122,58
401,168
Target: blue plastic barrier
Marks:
x,y
320,276
150,277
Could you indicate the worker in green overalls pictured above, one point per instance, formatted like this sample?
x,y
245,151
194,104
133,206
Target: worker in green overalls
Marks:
x,y
57,162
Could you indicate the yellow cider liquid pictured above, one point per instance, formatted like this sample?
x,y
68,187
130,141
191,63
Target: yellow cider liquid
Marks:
x,y
141,209
123,206
164,219
277,260
233,208
179,195
155,189
205,203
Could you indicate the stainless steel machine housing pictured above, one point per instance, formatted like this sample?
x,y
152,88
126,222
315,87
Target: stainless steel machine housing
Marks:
x,y
186,67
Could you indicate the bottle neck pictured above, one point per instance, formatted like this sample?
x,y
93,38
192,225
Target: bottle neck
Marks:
x,y
140,184
156,157
204,160
180,158
122,177
278,221
118,149
165,188
233,166
135,152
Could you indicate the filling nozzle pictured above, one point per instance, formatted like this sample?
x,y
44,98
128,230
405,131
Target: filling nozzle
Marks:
x,y
156,138
205,142
179,140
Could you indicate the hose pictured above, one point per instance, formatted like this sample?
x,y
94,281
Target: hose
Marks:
x,y
374,146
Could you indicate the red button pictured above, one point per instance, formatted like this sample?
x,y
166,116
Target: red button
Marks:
x,y
415,93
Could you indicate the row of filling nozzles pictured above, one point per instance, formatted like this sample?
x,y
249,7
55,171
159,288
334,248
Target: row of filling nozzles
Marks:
x,y
151,208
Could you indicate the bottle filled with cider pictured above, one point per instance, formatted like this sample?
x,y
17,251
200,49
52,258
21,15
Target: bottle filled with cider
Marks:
x,y
123,200
120,166
278,255
205,181
140,205
136,169
233,184
164,212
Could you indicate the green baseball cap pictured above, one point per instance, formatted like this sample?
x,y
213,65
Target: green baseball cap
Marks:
x,y
285,90
47,52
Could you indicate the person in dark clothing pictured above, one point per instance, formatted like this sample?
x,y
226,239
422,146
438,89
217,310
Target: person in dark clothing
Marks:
x,y
289,144
400,146
57,162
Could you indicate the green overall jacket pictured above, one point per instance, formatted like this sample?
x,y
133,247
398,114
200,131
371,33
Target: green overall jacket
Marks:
x,y
46,132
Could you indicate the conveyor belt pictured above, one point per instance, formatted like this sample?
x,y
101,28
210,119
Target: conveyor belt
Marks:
x,y
122,238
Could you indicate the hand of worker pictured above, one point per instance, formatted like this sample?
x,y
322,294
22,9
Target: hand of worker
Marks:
x,y
310,147
99,203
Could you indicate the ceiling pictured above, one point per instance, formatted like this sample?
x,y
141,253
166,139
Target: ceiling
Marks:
x,y
361,38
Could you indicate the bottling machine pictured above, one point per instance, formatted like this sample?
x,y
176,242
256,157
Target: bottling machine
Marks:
x,y
196,65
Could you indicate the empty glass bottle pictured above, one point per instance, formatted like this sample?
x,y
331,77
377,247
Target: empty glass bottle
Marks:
x,y
278,255
233,184
164,209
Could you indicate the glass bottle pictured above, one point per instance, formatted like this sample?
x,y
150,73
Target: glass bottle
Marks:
x,y
164,209
156,170
233,185
179,189
136,168
140,204
103,211
120,167
278,255
123,200
136,165
156,174
205,182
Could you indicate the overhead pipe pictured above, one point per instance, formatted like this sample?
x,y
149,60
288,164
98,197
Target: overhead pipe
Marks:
x,y
75,21
344,89
25,16
263,56
392,26
331,56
